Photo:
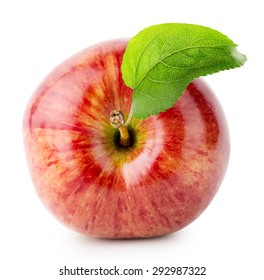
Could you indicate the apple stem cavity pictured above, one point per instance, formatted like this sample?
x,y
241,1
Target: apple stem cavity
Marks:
x,y
117,121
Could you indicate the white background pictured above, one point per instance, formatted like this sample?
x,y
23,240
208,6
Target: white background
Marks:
x,y
228,238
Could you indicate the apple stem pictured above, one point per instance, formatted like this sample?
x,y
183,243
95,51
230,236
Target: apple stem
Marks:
x,y
117,121
124,136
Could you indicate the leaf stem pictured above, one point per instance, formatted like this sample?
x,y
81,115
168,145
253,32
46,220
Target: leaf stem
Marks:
x,y
129,118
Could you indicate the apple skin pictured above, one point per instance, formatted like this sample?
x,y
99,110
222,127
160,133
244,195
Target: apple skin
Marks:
x,y
160,184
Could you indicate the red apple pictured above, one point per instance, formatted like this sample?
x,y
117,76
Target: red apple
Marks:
x,y
157,185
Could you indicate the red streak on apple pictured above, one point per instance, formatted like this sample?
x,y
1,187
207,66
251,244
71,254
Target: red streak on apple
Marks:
x,y
158,185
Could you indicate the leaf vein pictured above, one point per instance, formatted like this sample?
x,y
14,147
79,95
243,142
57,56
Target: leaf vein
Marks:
x,y
172,53
149,96
163,82
142,53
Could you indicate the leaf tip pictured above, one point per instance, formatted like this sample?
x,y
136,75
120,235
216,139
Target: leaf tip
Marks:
x,y
238,57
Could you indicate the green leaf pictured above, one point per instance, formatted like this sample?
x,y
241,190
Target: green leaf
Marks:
x,y
162,60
